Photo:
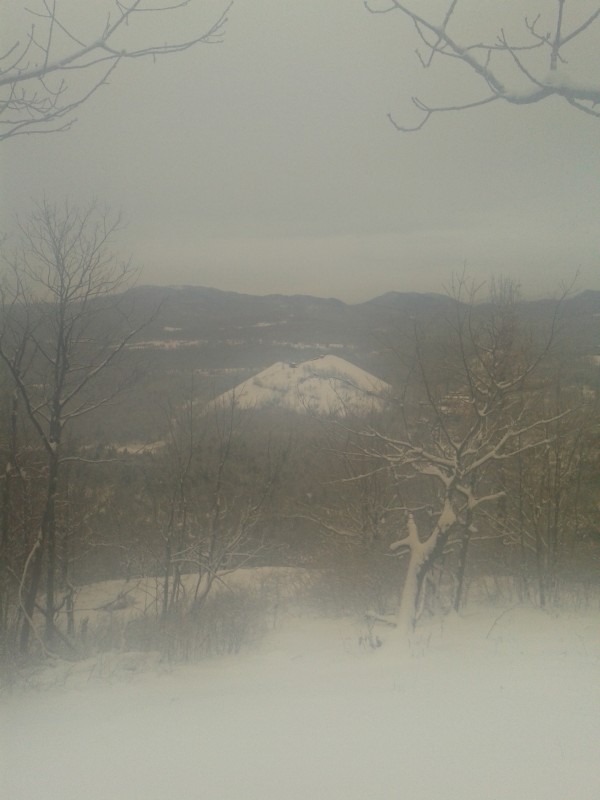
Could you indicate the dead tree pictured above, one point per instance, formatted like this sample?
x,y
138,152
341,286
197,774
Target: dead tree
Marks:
x,y
53,68
542,56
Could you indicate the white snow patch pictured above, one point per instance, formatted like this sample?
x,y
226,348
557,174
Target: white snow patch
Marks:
x,y
315,345
140,447
168,344
324,385
130,599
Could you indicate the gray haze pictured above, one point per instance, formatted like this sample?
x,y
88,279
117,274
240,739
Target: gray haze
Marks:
x,y
267,164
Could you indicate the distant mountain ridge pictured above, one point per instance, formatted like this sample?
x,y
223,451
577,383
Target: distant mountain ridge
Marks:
x,y
222,329
211,340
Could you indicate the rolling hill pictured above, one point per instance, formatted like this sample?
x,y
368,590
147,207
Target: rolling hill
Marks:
x,y
322,385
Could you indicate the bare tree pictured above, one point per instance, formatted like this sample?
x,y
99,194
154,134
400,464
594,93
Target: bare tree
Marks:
x,y
550,507
61,281
52,69
11,506
210,490
467,418
521,65
352,514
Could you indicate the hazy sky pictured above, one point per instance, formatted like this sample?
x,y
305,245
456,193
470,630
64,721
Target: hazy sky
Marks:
x,y
267,164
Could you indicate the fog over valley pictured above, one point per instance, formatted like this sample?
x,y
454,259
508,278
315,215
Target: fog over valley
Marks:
x,y
299,400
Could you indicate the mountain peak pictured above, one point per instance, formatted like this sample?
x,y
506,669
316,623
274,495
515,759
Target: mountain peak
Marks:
x,y
323,385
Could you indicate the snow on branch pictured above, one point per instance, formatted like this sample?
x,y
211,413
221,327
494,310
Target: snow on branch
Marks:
x,y
519,73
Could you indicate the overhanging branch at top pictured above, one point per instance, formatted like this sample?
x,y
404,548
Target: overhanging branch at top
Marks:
x,y
37,94
517,72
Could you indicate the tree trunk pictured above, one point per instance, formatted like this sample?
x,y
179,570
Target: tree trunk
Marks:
x,y
422,557
49,536
462,568
165,604
409,601
32,592
7,534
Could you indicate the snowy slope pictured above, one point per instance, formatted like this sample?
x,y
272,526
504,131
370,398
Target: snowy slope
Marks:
x,y
325,385
500,707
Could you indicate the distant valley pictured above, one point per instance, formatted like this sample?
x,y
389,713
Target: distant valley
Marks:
x,y
205,341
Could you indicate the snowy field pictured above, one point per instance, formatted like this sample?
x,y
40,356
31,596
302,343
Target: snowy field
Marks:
x,y
489,706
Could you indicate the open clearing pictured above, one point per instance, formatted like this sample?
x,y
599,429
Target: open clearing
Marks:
x,y
491,705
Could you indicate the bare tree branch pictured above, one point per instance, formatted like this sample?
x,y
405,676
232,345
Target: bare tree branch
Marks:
x,y
533,78
35,92
63,277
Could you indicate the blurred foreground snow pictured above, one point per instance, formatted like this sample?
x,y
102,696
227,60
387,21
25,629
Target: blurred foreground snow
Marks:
x,y
483,707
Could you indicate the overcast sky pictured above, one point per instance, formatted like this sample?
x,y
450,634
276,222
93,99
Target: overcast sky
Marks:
x,y
267,163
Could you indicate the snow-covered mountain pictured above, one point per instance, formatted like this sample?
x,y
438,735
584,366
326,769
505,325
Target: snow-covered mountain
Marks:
x,y
324,385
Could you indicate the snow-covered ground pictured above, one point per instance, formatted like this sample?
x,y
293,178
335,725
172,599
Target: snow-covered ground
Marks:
x,y
489,706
